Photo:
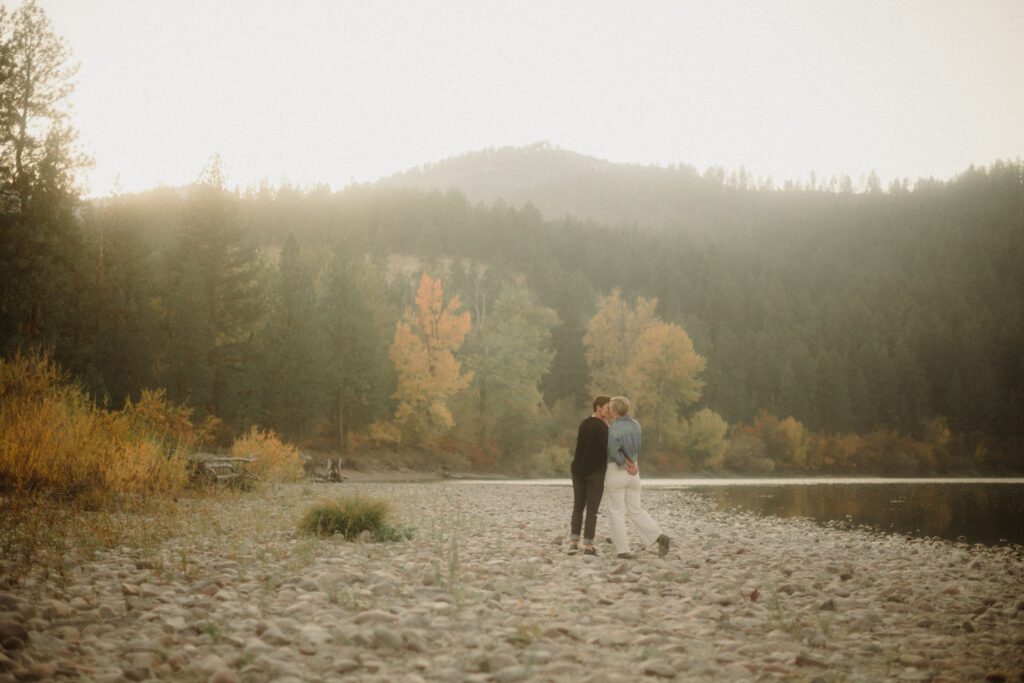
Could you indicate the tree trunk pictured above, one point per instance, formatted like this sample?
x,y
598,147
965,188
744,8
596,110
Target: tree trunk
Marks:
x,y
482,433
342,435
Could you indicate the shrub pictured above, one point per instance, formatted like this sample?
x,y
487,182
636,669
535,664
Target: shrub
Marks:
x,y
53,438
749,455
553,461
704,439
171,424
384,434
275,460
350,517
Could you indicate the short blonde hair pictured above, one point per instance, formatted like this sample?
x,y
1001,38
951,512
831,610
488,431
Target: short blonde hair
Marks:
x,y
620,404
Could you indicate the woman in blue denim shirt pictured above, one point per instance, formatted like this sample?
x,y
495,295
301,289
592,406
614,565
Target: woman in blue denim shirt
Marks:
x,y
622,483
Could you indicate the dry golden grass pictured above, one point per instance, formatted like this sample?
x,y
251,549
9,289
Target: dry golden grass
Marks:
x,y
275,460
54,439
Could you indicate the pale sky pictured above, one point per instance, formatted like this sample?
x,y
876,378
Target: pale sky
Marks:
x,y
335,92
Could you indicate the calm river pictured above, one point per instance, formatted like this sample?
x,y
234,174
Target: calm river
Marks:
x,y
989,511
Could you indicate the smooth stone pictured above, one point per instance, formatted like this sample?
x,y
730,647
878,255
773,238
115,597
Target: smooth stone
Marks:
x,y
375,616
12,629
9,601
386,637
81,604
658,667
315,633
148,590
413,642
494,662
223,676
510,674
58,609
209,665
274,636
13,643
345,665
915,661
175,624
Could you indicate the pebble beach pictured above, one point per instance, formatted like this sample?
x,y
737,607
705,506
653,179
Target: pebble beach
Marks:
x,y
485,591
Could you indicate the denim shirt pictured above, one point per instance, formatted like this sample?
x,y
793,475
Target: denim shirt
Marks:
x,y
624,440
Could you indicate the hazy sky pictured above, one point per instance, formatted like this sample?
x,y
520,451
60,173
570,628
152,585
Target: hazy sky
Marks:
x,y
335,92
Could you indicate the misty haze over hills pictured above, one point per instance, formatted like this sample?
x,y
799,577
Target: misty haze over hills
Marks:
x,y
562,183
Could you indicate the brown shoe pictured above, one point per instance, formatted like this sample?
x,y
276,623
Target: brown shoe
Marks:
x,y
663,543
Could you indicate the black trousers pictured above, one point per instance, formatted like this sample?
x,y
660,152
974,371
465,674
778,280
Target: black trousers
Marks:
x,y
586,494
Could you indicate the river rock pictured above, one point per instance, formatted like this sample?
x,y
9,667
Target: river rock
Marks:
x,y
12,629
658,667
468,599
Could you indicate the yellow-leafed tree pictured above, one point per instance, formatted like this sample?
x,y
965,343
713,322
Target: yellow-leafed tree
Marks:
x,y
423,351
664,369
631,351
610,342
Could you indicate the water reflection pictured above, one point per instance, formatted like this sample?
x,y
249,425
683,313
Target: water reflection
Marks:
x,y
976,510
978,513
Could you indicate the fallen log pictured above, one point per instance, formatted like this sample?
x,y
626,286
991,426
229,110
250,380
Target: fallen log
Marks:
x,y
217,468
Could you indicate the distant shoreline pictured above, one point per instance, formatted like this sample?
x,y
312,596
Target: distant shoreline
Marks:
x,y
674,482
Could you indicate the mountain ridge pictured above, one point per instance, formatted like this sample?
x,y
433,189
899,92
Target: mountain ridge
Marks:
x,y
561,183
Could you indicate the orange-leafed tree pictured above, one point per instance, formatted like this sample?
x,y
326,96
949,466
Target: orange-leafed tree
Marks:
x,y
423,351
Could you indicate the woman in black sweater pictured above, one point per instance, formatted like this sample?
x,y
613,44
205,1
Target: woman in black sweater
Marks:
x,y
588,467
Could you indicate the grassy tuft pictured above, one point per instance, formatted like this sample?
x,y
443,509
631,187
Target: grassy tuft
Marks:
x,y
350,517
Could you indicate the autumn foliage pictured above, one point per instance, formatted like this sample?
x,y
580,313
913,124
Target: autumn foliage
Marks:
x,y
55,439
630,351
275,459
423,351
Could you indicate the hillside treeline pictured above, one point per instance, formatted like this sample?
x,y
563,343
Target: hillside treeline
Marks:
x,y
851,313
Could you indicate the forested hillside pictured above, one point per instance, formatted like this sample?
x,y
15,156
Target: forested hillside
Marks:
x,y
848,312
809,328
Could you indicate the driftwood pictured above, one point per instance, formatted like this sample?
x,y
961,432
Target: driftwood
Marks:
x,y
319,469
216,468
332,472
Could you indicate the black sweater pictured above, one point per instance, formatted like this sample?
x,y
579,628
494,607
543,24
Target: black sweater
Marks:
x,y
591,447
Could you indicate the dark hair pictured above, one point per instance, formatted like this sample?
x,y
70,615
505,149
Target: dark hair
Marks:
x,y
600,401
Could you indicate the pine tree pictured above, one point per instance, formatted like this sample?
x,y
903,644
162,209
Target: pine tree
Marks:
x,y
230,270
189,340
292,353
39,237
355,362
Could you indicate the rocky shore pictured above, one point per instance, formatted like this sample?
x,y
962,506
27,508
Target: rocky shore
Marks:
x,y
486,592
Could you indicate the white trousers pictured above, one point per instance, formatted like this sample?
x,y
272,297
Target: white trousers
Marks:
x,y
622,493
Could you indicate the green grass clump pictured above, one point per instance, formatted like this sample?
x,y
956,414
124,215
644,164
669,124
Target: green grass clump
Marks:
x,y
350,517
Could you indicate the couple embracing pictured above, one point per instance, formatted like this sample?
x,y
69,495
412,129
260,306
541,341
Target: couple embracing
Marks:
x,y
606,462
